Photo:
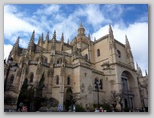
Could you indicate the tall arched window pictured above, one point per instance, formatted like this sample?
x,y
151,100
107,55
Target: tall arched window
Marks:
x,y
124,81
119,53
98,52
96,83
12,79
57,80
31,77
86,56
68,80
101,84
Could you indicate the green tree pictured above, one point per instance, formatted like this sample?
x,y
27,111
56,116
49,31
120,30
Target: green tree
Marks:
x,y
23,93
69,98
38,98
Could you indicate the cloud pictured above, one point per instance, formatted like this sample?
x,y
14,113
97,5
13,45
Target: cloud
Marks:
x,y
90,13
137,34
15,26
7,49
48,9
113,11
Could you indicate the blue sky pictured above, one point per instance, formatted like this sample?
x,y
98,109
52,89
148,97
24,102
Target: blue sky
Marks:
x,y
126,19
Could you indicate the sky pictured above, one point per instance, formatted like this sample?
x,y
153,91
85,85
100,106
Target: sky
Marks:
x,y
125,19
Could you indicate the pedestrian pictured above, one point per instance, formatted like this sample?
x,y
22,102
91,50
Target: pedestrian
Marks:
x,y
101,109
24,108
87,109
96,110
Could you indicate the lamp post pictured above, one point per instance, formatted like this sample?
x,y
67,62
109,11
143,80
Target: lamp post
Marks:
x,y
10,60
98,86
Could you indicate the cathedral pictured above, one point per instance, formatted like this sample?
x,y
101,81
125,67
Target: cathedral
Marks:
x,y
92,69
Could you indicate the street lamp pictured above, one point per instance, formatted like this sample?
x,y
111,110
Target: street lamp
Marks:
x,y
10,60
98,86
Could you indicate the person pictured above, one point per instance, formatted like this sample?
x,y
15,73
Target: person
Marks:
x,y
87,109
101,109
96,110
69,110
24,108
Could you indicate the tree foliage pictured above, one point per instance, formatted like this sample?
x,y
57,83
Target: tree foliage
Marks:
x,y
28,95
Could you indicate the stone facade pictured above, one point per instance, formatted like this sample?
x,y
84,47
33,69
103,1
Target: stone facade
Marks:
x,y
77,65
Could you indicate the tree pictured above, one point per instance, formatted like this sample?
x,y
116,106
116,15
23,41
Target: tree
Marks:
x,y
23,93
114,98
38,98
69,97
32,96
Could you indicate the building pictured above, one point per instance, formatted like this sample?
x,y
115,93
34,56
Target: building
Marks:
x,y
79,64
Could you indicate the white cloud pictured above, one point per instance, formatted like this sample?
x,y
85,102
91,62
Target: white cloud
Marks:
x,y
91,12
15,26
65,27
48,9
137,35
7,49
113,10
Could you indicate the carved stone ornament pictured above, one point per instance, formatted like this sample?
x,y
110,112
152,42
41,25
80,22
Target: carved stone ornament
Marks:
x,y
39,69
82,87
90,89
50,72
19,72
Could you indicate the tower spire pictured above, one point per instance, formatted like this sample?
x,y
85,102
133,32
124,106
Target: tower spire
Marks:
x,y
110,30
33,36
47,37
31,43
62,38
54,35
17,41
68,41
81,30
16,46
146,73
127,42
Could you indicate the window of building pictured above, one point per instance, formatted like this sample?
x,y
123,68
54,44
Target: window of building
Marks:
x,y
119,53
31,78
96,83
86,56
68,81
57,80
12,79
124,81
98,52
101,84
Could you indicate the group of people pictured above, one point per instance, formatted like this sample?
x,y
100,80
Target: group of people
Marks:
x,y
99,110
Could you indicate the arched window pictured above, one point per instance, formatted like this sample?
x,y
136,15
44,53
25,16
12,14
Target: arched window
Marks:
x,y
45,59
86,56
12,79
96,83
124,81
57,80
119,53
98,52
101,84
68,80
31,77
59,60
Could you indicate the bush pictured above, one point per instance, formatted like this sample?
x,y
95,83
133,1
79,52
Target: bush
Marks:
x,y
126,109
79,108
107,107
